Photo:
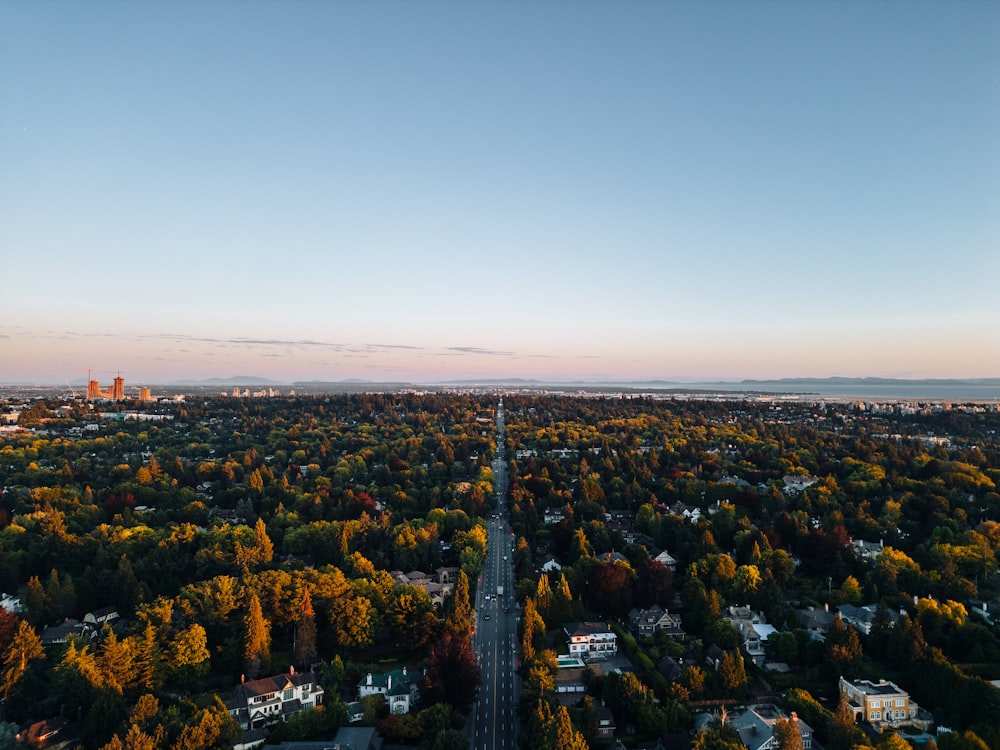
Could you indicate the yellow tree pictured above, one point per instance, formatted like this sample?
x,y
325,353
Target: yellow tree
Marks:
x,y
256,638
25,648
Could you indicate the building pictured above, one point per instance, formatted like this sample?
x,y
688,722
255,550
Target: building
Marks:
x,y
755,727
591,640
882,704
114,393
399,689
753,631
646,623
259,703
860,618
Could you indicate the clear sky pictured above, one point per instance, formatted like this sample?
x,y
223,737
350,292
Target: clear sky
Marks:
x,y
436,190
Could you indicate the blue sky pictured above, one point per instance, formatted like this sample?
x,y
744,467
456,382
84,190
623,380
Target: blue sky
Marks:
x,y
436,190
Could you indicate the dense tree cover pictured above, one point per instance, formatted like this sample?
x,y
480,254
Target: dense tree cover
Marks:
x,y
922,484
303,505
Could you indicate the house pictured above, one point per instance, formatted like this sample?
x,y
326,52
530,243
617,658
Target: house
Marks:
x,y
755,727
605,721
668,560
867,550
56,634
553,515
550,565
795,483
399,689
99,617
438,587
646,623
613,556
816,621
753,636
882,704
860,618
11,603
260,703
591,640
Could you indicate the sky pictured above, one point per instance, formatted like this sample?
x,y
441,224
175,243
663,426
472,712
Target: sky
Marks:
x,y
426,191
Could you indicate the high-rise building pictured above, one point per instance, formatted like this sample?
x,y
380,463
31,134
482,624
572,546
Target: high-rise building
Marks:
x,y
145,394
114,393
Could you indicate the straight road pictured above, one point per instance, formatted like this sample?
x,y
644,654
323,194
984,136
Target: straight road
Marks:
x,y
494,724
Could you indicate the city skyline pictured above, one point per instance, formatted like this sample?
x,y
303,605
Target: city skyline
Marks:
x,y
434,191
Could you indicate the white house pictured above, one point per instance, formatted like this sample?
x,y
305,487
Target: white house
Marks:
x,y
259,703
591,640
398,688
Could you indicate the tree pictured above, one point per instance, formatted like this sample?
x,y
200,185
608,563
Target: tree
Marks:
x,y
843,648
256,638
453,675
566,737
722,738
305,631
732,672
533,630
461,619
24,648
786,733
354,621
188,657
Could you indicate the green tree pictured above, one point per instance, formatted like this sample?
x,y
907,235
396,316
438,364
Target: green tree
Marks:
x,y
188,655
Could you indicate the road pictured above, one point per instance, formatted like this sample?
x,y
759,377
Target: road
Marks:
x,y
494,720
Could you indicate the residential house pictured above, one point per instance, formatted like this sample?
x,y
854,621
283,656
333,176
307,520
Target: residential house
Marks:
x,y
867,550
550,565
795,483
755,727
259,703
816,621
399,689
646,623
571,682
860,618
882,704
591,640
100,617
553,515
605,721
438,587
613,556
667,559
753,631
57,634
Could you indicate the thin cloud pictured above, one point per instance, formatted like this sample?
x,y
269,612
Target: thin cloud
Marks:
x,y
479,350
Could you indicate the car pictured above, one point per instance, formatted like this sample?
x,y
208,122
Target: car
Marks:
x,y
486,617
506,610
